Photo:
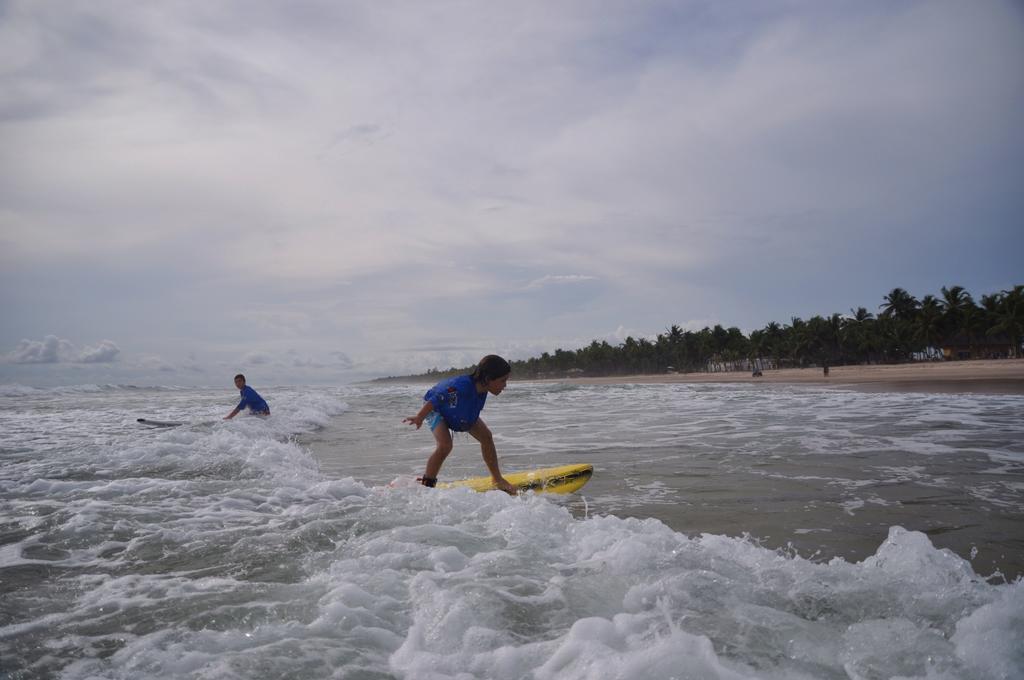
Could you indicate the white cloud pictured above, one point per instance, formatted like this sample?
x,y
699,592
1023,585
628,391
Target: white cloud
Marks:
x,y
256,358
53,350
343,360
105,352
558,279
49,350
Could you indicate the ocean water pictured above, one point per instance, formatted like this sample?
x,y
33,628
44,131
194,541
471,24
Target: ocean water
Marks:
x,y
746,531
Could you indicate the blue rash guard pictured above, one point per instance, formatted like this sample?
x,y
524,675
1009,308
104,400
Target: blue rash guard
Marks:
x,y
457,401
253,400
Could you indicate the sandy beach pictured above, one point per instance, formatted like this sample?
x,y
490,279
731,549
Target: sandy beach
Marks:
x,y
998,376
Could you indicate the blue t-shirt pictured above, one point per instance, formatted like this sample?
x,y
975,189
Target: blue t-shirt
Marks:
x,y
253,400
458,402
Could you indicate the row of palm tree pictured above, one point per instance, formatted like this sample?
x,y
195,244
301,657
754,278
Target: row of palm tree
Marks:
x,y
904,329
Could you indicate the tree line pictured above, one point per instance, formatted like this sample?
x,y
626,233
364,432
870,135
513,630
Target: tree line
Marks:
x,y
904,329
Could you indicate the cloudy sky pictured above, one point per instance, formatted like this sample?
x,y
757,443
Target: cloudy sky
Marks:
x,y
321,191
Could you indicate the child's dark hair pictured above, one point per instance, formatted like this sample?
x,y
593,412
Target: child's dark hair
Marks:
x,y
240,376
491,367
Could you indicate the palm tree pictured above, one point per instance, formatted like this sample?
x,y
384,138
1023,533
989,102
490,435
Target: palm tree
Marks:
x,y
929,322
954,301
758,347
818,341
958,312
861,315
720,338
798,341
988,311
631,351
703,347
853,333
899,304
1009,317
893,339
737,346
774,335
835,333
898,313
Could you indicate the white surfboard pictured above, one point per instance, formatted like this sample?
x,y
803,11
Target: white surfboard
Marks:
x,y
158,423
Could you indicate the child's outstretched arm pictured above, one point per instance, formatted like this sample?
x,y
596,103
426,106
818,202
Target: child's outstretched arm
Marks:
x,y
417,419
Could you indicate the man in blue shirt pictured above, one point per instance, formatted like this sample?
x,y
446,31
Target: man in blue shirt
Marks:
x,y
250,399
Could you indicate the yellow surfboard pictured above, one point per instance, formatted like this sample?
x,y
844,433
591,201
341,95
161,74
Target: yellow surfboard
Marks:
x,y
563,479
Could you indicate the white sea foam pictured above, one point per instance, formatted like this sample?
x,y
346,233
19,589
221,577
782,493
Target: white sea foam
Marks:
x,y
219,550
17,390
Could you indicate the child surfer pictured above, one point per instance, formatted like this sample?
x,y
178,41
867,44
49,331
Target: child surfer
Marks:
x,y
455,404
250,399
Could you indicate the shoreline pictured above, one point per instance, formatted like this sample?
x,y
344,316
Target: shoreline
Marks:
x,y
984,376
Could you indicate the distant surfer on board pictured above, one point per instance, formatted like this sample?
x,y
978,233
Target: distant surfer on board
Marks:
x,y
454,405
250,399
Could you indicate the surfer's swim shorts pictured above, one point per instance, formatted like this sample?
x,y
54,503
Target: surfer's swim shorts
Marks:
x,y
433,418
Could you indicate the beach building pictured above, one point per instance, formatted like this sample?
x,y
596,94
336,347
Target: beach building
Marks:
x,y
963,346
